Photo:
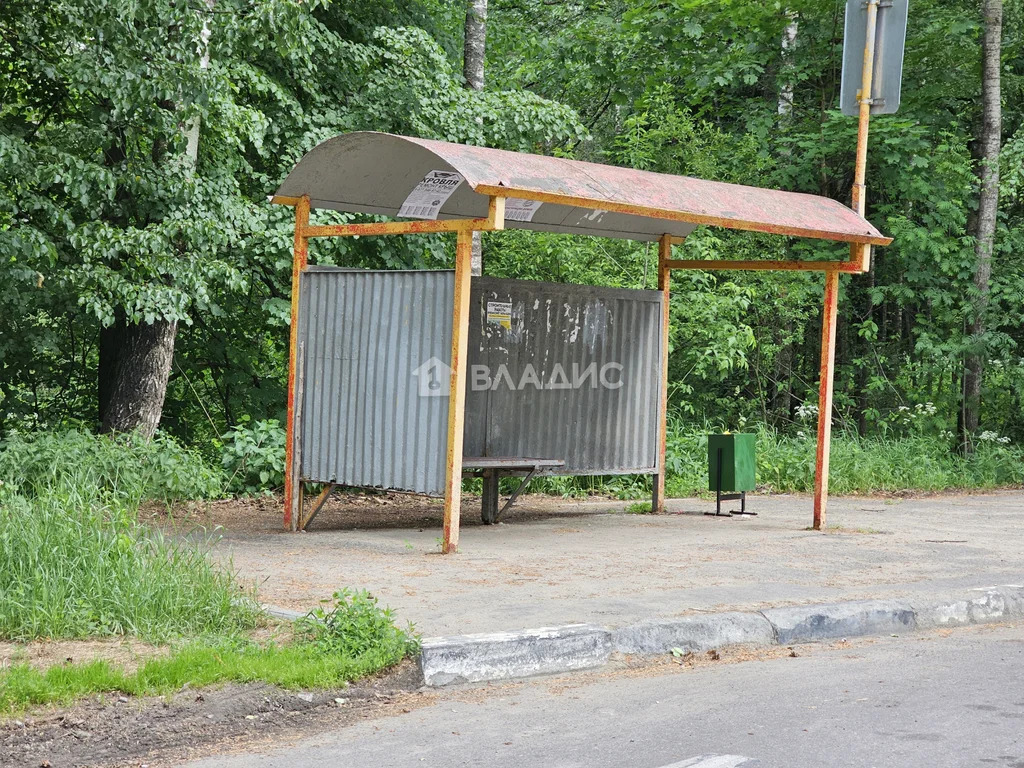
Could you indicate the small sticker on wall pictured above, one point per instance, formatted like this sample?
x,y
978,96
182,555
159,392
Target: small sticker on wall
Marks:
x,y
499,313
426,199
517,209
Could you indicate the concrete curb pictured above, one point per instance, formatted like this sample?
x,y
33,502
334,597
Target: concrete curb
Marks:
x,y
282,613
812,623
694,633
506,655
503,655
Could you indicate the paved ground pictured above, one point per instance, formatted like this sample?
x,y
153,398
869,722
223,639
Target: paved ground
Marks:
x,y
939,700
557,562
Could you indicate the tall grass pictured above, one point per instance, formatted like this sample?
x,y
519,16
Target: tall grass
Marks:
x,y
75,562
785,464
886,464
121,467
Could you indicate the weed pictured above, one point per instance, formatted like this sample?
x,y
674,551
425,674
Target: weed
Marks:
x,y
638,508
785,464
253,456
121,469
353,624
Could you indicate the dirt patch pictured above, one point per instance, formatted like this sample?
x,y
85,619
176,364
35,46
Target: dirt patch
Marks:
x,y
346,511
127,653
113,730
43,654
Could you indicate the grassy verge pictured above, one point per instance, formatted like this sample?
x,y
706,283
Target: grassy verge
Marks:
x,y
353,639
76,563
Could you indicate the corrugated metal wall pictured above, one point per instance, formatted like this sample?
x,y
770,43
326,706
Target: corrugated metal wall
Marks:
x,y
365,338
602,423
571,372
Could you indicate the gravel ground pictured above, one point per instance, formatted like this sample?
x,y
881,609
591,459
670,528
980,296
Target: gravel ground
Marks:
x,y
555,561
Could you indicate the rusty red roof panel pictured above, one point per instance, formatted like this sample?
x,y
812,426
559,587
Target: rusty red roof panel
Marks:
x,y
374,172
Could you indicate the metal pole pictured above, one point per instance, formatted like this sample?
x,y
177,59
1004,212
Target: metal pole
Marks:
x,y
825,382
292,483
858,198
457,391
664,278
858,253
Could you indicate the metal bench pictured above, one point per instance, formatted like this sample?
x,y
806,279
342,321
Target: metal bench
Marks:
x,y
490,468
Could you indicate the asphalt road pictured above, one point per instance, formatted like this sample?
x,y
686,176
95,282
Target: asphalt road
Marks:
x,y
934,700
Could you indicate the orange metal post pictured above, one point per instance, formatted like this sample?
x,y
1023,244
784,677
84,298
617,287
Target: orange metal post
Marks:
x,y
457,392
827,376
862,253
775,266
371,228
292,483
664,278
865,98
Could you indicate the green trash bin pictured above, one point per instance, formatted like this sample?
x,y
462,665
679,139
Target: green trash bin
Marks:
x,y
731,467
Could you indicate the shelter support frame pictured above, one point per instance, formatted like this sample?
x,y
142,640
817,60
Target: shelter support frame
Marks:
x,y
463,228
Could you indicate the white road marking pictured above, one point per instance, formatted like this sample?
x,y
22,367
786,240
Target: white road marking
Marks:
x,y
713,761
997,586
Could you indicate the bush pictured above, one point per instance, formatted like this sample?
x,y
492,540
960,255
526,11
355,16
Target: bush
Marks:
x,y
254,456
355,625
76,562
121,467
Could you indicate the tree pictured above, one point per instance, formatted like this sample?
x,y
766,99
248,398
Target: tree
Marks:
x,y
473,54
989,145
132,225
134,174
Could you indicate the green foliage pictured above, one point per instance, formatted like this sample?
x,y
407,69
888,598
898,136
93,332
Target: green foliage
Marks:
x,y
353,624
253,456
785,464
638,508
75,560
695,88
910,456
103,216
120,468
887,464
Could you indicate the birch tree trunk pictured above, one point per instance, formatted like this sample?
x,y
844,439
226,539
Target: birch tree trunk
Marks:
x,y
781,389
473,73
989,144
785,106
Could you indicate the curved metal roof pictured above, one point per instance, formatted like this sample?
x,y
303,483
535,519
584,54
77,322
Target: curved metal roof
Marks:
x,y
369,172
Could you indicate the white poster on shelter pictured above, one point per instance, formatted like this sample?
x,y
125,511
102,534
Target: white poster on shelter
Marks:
x,y
427,197
517,209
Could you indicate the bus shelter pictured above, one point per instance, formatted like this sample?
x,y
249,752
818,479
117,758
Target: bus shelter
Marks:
x,y
444,187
